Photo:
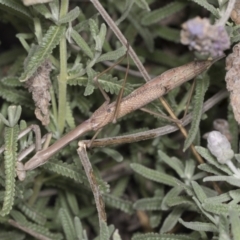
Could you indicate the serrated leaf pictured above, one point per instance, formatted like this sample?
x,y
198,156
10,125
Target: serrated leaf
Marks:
x,y
118,203
104,231
16,96
32,214
93,27
65,170
148,203
70,16
17,6
199,226
201,88
10,158
67,224
209,7
156,236
69,117
90,87
155,175
49,42
161,13
11,81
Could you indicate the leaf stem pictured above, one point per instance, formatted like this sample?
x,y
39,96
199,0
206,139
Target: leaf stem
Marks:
x,y
62,79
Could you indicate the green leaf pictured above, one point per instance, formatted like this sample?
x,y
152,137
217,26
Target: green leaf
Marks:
x,y
172,219
143,4
69,116
209,169
209,7
199,226
113,154
173,193
223,230
70,16
10,158
49,42
231,180
112,55
218,208
154,175
161,13
104,231
199,192
174,163
90,87
16,96
118,203
168,33
219,199
156,236
32,214
72,202
65,170
201,88
11,81
209,157
17,7
145,33
67,224
93,27
235,223
43,10
181,200
148,203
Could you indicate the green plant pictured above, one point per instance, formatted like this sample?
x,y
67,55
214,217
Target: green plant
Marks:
x,y
48,79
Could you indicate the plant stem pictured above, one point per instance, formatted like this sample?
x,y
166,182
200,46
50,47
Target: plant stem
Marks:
x,y
62,79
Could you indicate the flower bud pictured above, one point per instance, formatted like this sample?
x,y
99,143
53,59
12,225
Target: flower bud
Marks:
x,y
220,147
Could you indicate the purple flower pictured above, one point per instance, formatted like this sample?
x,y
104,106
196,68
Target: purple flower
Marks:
x,y
206,39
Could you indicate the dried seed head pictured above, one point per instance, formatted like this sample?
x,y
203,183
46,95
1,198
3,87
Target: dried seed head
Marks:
x,y
220,147
235,14
205,38
39,85
233,80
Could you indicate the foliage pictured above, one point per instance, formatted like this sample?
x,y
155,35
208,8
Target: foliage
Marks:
x,y
153,189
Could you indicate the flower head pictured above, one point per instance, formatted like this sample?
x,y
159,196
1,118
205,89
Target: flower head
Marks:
x,y
205,38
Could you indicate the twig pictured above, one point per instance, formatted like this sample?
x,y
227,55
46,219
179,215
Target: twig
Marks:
x,y
27,230
158,131
93,183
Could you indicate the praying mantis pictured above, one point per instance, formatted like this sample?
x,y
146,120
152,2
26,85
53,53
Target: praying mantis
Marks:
x,y
145,94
